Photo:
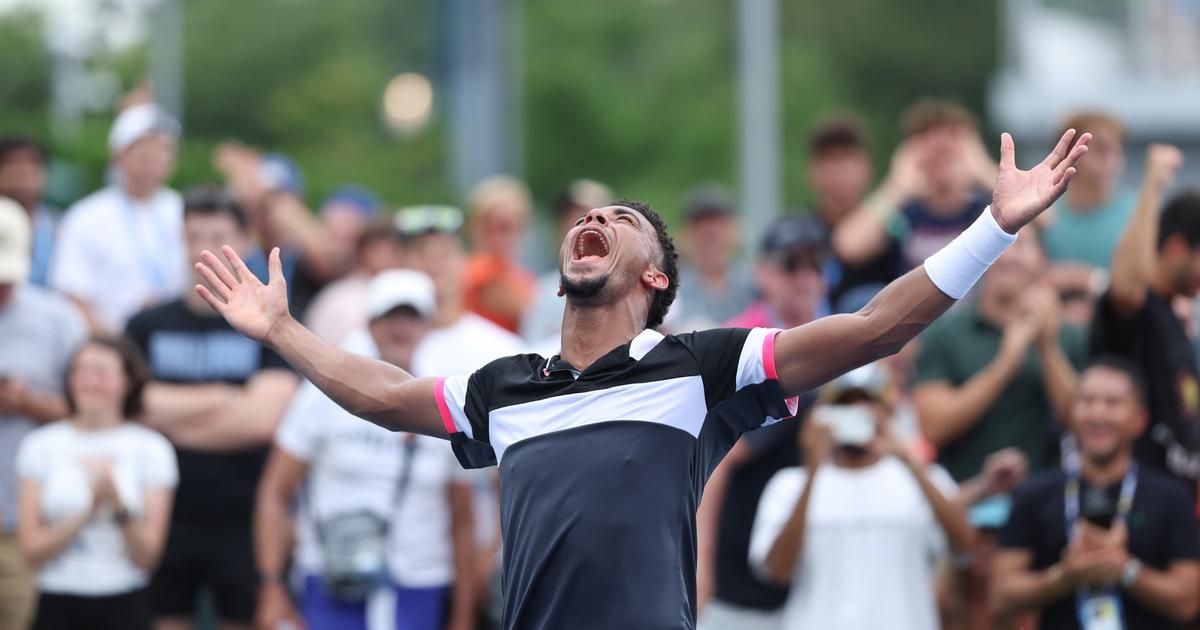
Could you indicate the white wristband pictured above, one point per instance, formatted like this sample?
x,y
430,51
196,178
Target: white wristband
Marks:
x,y
958,266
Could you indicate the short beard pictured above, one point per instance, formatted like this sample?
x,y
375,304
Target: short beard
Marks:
x,y
582,290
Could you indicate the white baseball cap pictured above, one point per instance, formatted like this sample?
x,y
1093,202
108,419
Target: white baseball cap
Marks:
x,y
401,287
138,121
870,379
14,242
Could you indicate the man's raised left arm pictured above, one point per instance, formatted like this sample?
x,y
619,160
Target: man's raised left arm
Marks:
x,y
812,354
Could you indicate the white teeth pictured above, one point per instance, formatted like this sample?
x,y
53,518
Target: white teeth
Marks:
x,y
579,244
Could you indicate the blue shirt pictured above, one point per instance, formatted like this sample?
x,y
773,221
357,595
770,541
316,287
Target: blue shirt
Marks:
x,y
1088,236
44,225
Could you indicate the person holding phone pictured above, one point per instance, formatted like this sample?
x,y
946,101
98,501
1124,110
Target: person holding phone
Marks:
x,y
1106,543
863,520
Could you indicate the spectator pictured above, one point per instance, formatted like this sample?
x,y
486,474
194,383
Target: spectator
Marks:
x,y
39,331
96,496
987,498
997,371
218,397
862,519
713,285
120,249
340,308
1082,229
1155,262
495,285
1124,551
839,172
23,163
789,279
270,189
543,318
398,500
938,184
460,342
788,275
345,215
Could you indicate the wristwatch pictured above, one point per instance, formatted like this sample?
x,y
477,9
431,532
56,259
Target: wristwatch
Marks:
x,y
269,578
1130,573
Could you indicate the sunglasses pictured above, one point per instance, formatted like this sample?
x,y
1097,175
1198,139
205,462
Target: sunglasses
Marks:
x,y
419,220
796,260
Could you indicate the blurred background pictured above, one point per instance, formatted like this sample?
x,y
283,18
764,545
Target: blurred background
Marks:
x,y
805,154
418,100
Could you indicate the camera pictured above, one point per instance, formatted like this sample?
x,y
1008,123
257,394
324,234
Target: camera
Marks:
x,y
851,425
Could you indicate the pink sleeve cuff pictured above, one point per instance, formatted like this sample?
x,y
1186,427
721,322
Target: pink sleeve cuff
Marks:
x,y
768,355
439,393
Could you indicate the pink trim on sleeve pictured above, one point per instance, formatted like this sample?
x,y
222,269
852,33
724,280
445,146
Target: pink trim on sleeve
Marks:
x,y
768,355
439,393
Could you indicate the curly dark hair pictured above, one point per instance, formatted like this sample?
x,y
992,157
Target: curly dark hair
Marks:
x,y
669,264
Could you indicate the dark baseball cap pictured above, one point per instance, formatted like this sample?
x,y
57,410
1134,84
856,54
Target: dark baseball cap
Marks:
x,y
793,239
710,200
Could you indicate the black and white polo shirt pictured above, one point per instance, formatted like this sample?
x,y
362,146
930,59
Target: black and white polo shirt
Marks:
x,y
601,470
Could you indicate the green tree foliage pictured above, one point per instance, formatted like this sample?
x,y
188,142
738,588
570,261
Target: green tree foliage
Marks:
x,y
637,93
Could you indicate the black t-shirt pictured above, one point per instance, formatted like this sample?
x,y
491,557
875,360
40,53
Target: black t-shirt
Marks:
x,y
1162,530
184,347
852,286
1155,340
774,448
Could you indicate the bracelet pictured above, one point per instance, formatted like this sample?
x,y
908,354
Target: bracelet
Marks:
x,y
879,208
1054,573
270,577
1130,573
1098,281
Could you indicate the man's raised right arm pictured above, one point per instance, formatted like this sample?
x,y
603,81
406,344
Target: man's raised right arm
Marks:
x,y
368,388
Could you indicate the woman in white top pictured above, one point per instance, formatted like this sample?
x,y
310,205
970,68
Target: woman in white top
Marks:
x,y
95,496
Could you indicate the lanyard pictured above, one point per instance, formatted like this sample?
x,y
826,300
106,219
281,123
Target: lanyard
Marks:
x,y
1124,502
148,263
1099,608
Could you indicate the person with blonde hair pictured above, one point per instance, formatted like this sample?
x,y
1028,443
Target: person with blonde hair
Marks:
x,y
496,286
1080,232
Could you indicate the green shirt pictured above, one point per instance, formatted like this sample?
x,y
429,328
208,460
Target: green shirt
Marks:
x,y
1088,236
960,345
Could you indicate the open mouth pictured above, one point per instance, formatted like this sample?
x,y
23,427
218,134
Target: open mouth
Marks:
x,y
1098,433
590,245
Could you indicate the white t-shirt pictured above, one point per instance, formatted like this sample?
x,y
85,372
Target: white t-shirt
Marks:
x,y
340,308
469,344
118,255
355,465
58,457
870,547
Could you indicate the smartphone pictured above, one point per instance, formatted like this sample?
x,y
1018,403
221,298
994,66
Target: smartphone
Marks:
x,y
1102,519
851,425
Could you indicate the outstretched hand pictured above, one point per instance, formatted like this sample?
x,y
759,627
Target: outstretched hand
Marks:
x,y
1020,196
253,308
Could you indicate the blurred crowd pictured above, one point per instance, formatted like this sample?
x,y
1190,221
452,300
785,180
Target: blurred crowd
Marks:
x,y
157,469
